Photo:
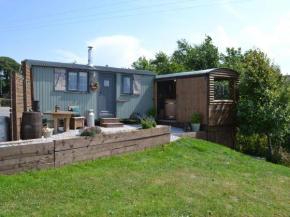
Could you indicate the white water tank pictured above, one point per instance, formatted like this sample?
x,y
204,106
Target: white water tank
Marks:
x,y
4,128
90,118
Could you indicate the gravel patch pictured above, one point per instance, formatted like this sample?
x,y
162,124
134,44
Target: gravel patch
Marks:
x,y
75,133
59,136
173,138
68,135
127,127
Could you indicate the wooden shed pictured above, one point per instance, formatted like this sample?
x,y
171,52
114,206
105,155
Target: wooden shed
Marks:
x,y
211,92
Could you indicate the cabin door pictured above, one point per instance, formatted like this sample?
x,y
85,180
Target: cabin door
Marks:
x,y
107,96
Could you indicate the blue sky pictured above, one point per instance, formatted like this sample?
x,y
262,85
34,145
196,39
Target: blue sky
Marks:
x,y
122,30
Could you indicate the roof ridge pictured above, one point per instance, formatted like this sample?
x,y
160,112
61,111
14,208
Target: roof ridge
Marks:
x,y
44,63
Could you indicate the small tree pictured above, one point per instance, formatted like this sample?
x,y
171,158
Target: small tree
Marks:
x,y
143,64
264,99
196,57
6,65
185,58
232,59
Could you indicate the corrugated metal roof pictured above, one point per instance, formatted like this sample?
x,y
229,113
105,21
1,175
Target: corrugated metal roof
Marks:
x,y
85,67
179,74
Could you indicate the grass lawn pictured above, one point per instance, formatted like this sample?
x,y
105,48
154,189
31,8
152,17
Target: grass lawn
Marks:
x,y
185,178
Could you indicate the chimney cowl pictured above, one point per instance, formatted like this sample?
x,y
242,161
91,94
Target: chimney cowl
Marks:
x,y
90,56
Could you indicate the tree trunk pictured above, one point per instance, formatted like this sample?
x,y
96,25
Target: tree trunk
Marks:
x,y
270,147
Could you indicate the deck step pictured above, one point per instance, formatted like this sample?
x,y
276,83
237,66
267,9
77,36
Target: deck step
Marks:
x,y
109,120
112,125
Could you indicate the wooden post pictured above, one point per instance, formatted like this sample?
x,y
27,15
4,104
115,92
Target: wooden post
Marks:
x,y
32,86
23,68
55,125
155,96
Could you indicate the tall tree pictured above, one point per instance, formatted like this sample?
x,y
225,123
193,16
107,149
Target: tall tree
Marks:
x,y
264,98
185,58
196,57
164,64
232,59
143,64
7,64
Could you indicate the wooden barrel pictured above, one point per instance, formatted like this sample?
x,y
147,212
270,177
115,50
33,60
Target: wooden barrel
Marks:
x,y
170,109
31,125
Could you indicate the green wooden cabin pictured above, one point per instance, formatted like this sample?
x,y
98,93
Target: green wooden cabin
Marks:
x,y
122,92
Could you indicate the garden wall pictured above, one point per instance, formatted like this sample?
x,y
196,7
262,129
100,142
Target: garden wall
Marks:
x,y
16,159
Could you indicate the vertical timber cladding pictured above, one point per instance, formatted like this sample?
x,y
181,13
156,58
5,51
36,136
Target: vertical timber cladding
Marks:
x,y
21,90
27,85
222,113
191,97
17,104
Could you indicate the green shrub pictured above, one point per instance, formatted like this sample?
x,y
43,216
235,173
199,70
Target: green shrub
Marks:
x,y
281,156
254,145
130,121
151,112
90,131
5,102
148,122
196,118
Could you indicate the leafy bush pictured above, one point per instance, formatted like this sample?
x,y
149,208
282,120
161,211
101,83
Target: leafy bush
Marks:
x,y
196,118
130,121
151,112
5,102
254,145
90,131
148,122
281,156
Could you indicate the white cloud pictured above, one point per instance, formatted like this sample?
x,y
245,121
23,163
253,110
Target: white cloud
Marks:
x,y
122,50
274,41
68,56
255,37
282,31
231,10
287,52
118,50
115,51
222,40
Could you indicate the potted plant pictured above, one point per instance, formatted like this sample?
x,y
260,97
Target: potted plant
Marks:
x,y
57,107
47,132
195,122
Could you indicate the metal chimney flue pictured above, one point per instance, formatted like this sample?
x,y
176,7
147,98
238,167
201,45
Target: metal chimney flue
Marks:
x,y
90,56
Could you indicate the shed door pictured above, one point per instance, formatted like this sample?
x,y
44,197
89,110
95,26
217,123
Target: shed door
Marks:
x,y
107,96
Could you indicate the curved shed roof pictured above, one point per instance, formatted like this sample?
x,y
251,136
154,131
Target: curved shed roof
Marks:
x,y
86,67
200,72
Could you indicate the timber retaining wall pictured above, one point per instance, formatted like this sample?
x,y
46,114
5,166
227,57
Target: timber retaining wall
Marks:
x,y
16,159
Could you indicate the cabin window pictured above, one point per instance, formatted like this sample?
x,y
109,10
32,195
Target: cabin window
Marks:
x,y
83,81
127,82
59,79
223,89
78,81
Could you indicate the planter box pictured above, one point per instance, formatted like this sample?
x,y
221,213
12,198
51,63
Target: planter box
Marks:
x,y
104,145
16,159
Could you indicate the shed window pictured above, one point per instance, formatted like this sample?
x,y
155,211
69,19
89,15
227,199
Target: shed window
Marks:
x,y
78,81
223,89
127,84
